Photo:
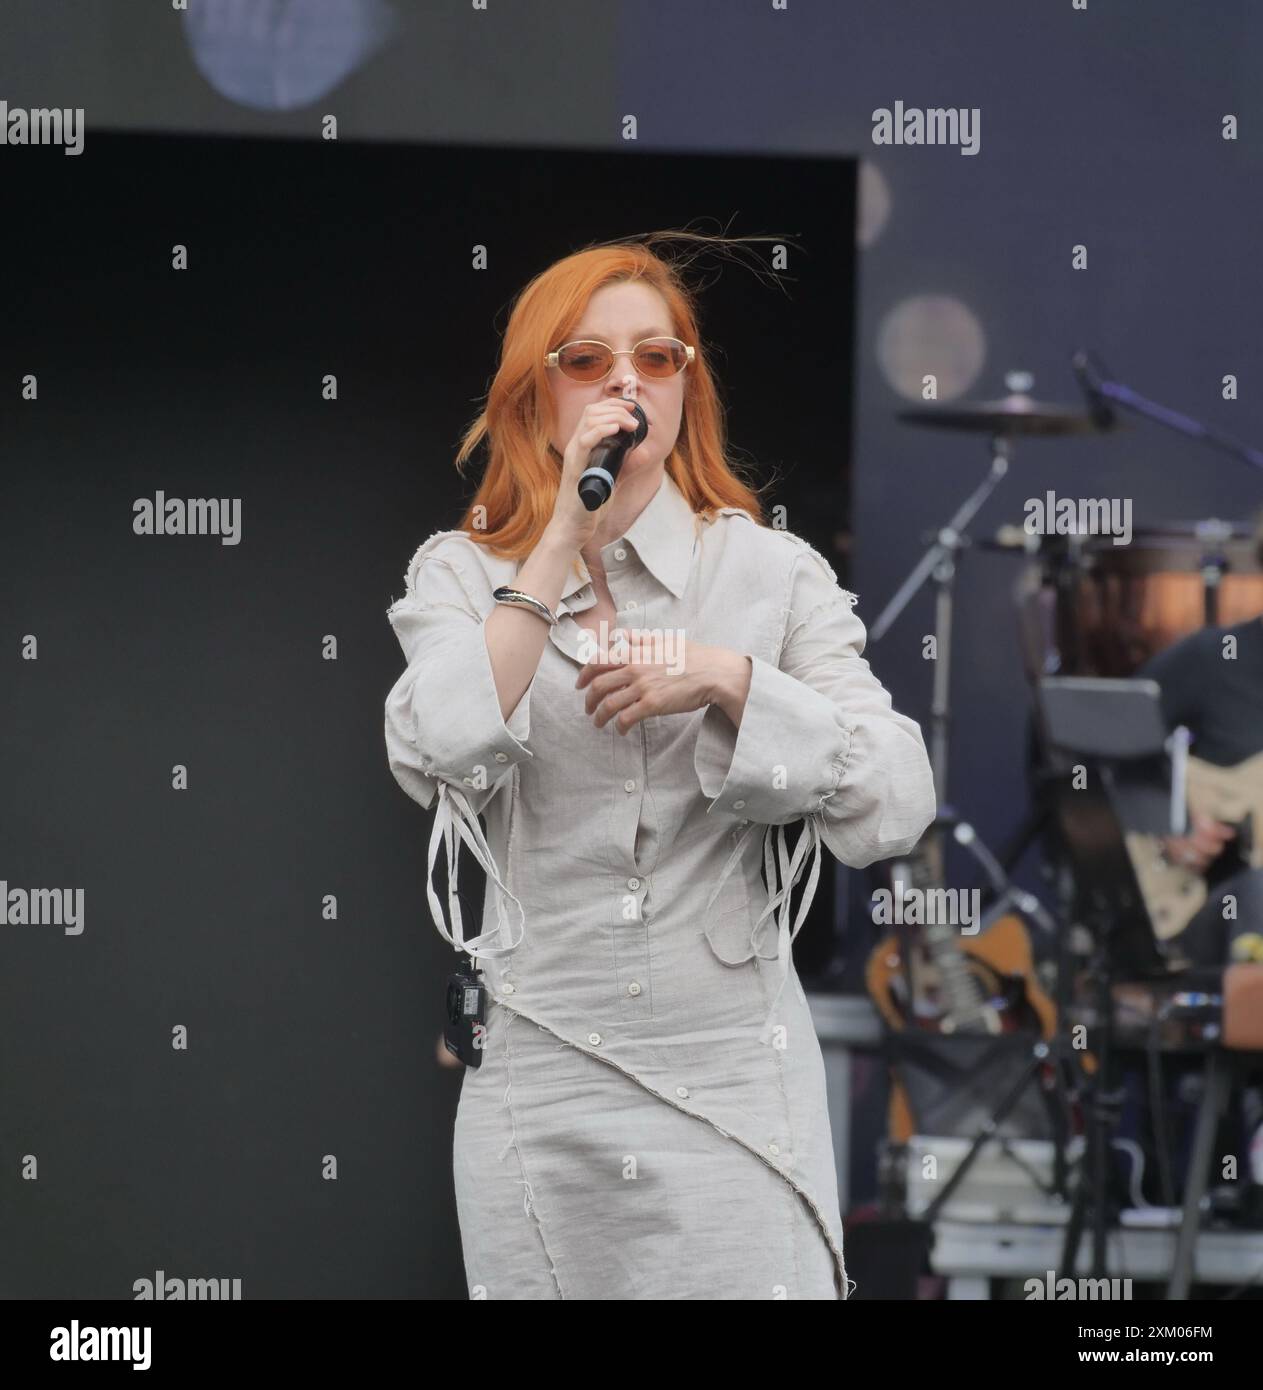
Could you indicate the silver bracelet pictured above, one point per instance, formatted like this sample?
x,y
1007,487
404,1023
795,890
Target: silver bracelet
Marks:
x,y
506,595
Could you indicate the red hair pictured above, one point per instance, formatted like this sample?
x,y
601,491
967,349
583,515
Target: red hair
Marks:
x,y
515,498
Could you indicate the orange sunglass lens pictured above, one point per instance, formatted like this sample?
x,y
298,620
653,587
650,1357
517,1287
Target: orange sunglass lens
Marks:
x,y
660,357
585,361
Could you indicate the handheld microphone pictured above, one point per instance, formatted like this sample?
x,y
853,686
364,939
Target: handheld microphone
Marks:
x,y
605,460
1099,407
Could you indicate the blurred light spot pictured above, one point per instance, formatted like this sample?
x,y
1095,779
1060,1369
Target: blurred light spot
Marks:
x,y
872,204
275,55
931,335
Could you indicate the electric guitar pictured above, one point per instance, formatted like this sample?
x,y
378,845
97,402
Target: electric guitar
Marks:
x,y
928,976
1174,893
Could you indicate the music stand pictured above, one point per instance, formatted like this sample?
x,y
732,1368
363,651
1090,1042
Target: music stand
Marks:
x,y
1113,735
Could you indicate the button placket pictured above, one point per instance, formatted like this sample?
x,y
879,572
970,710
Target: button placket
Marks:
x,y
631,951
629,600
631,982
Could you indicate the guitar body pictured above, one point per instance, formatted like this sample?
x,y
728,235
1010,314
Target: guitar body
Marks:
x,y
1001,964
1174,895
933,978
1000,960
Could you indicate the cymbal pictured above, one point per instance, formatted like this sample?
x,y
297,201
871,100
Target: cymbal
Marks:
x,y
1012,414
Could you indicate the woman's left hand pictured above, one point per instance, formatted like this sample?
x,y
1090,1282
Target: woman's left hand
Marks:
x,y
686,679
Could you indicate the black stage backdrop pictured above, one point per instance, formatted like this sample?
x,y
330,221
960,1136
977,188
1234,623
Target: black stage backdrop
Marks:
x,y
185,1076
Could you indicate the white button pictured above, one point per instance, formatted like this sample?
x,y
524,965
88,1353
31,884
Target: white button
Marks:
x,y
620,554
738,805
629,785
594,1039
509,989
682,1092
502,757
630,604
633,988
633,883
774,1148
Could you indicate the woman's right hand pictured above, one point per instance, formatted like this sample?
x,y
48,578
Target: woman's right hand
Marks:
x,y
599,420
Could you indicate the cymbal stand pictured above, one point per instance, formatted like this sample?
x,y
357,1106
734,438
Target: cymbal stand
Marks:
x,y
939,563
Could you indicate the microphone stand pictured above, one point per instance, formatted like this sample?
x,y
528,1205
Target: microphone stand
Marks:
x,y
1103,394
1173,420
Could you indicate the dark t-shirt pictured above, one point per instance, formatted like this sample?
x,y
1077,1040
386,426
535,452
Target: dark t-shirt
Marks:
x,y
1219,700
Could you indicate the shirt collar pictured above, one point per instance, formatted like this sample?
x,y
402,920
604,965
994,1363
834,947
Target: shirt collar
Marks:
x,y
663,536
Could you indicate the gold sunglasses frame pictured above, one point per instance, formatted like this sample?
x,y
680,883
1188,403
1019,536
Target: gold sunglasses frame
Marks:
x,y
551,359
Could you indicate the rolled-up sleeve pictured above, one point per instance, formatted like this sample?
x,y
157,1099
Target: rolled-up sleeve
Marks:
x,y
443,720
819,736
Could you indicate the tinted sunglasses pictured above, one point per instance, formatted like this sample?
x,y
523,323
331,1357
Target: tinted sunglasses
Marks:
x,y
589,360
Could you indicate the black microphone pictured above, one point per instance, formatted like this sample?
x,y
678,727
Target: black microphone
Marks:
x,y
606,458
1089,378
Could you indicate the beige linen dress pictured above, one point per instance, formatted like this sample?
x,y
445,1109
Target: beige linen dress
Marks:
x,y
649,1119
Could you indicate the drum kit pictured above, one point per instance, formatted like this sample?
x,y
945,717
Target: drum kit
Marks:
x,y
1087,606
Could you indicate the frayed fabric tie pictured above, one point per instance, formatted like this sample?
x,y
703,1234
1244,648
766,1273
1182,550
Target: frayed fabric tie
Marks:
x,y
780,900
454,817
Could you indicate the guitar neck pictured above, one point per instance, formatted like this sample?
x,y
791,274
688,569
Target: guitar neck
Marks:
x,y
924,868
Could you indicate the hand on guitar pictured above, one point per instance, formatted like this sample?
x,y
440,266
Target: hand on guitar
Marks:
x,y
1200,849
